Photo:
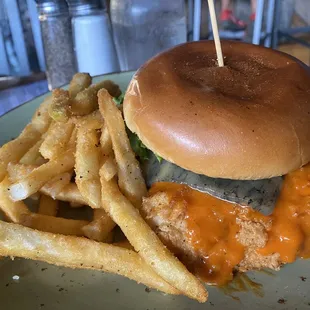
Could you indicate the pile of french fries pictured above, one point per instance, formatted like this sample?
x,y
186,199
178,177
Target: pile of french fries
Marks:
x,y
76,150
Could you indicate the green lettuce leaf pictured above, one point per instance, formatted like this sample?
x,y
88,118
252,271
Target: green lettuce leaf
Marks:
x,y
158,157
136,144
119,100
138,147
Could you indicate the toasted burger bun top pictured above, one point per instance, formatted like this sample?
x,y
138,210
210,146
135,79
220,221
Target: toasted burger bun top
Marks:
x,y
247,120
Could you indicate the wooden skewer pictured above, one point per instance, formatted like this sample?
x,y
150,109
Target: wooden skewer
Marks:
x,y
216,35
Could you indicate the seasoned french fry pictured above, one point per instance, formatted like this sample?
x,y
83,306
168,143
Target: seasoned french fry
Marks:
x,y
56,225
100,228
60,107
87,165
33,154
14,150
72,141
76,252
57,184
56,139
41,119
19,171
130,177
48,206
112,88
68,193
147,243
86,101
109,168
93,120
79,82
41,175
13,210
105,142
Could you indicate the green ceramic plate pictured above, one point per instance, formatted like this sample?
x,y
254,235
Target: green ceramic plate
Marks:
x,y
46,287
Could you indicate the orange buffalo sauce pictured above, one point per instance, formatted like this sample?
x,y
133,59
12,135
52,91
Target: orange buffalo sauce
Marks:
x,y
212,227
290,233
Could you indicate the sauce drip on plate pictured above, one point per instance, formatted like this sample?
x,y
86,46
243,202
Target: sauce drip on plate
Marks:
x,y
290,232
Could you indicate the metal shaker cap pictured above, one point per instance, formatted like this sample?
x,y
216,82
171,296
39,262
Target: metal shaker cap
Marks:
x,y
83,7
51,7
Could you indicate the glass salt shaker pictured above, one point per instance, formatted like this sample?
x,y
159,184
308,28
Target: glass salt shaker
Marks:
x,y
92,37
143,28
56,31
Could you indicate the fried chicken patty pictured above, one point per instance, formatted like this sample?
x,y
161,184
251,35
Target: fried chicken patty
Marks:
x,y
168,219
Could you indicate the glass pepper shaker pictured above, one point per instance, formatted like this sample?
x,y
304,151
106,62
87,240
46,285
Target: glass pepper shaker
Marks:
x,y
56,32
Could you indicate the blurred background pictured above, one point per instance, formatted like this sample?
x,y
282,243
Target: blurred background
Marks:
x,y
44,42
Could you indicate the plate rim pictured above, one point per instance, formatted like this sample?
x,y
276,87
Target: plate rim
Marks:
x,y
63,86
